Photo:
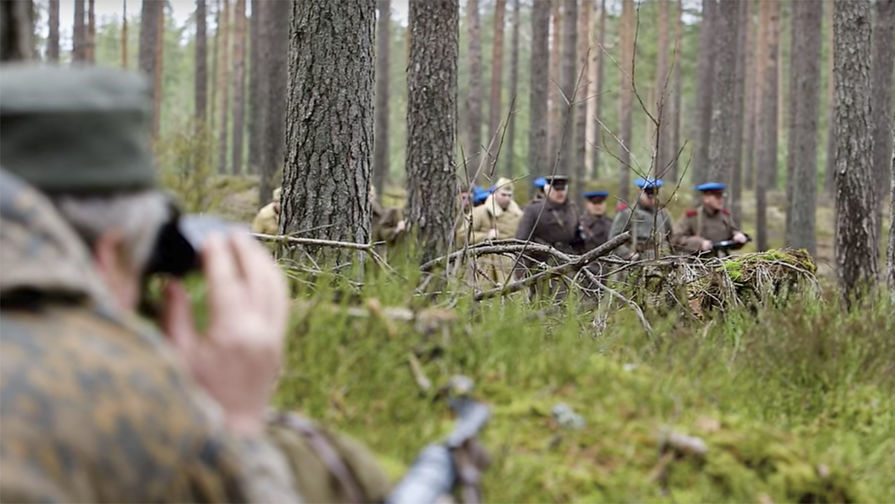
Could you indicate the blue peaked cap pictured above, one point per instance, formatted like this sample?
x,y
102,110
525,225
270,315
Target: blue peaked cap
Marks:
x,y
540,182
711,186
649,183
596,194
479,195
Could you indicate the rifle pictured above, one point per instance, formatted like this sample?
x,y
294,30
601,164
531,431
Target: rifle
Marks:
x,y
730,244
459,458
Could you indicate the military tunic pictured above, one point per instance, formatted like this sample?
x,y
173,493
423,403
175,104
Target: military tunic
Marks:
x,y
385,223
486,217
701,224
267,220
647,225
595,229
550,223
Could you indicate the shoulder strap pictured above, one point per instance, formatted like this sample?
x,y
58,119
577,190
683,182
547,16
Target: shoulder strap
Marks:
x,y
327,453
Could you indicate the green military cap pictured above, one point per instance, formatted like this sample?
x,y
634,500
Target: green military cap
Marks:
x,y
76,130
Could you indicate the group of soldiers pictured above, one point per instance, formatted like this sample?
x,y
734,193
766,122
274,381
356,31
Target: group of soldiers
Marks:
x,y
552,219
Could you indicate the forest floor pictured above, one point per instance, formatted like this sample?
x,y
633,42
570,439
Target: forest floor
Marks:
x,y
794,402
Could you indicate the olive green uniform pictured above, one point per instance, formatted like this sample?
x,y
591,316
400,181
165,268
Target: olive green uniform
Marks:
x,y
647,225
702,224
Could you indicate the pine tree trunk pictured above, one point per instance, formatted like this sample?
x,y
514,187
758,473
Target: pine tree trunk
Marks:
x,y
805,106
53,38
334,94
704,87
675,114
239,24
661,93
380,136
881,84
767,119
598,92
431,123
722,154
509,151
79,33
626,94
201,82
473,148
494,118
555,100
856,243
90,38
124,34
151,29
275,23
256,77
223,86
830,168
579,147
213,80
736,181
890,251
538,158
16,29
751,97
568,80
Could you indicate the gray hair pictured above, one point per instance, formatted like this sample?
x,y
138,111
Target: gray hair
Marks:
x,y
137,216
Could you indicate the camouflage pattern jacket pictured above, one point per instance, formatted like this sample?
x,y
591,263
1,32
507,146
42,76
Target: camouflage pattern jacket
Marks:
x,y
94,408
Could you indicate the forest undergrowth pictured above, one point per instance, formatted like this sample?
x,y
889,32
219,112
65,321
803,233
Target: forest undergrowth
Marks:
x,y
777,404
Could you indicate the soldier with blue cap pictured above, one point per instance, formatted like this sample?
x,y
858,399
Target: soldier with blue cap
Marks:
x,y
594,223
553,220
538,184
649,224
699,229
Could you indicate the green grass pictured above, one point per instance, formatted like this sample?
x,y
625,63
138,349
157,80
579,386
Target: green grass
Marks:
x,y
794,403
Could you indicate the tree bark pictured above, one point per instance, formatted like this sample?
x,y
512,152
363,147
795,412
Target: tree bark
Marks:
x,y
90,38
239,24
722,154
830,168
473,148
598,93
673,170
704,88
856,247
201,82
804,103
53,38
330,123
496,82
151,31
381,111
890,252
275,25
509,153
215,64
626,95
554,102
223,85
767,119
540,66
568,78
881,85
661,94
16,30
751,97
431,123
736,181
79,33
582,98
256,111
124,34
